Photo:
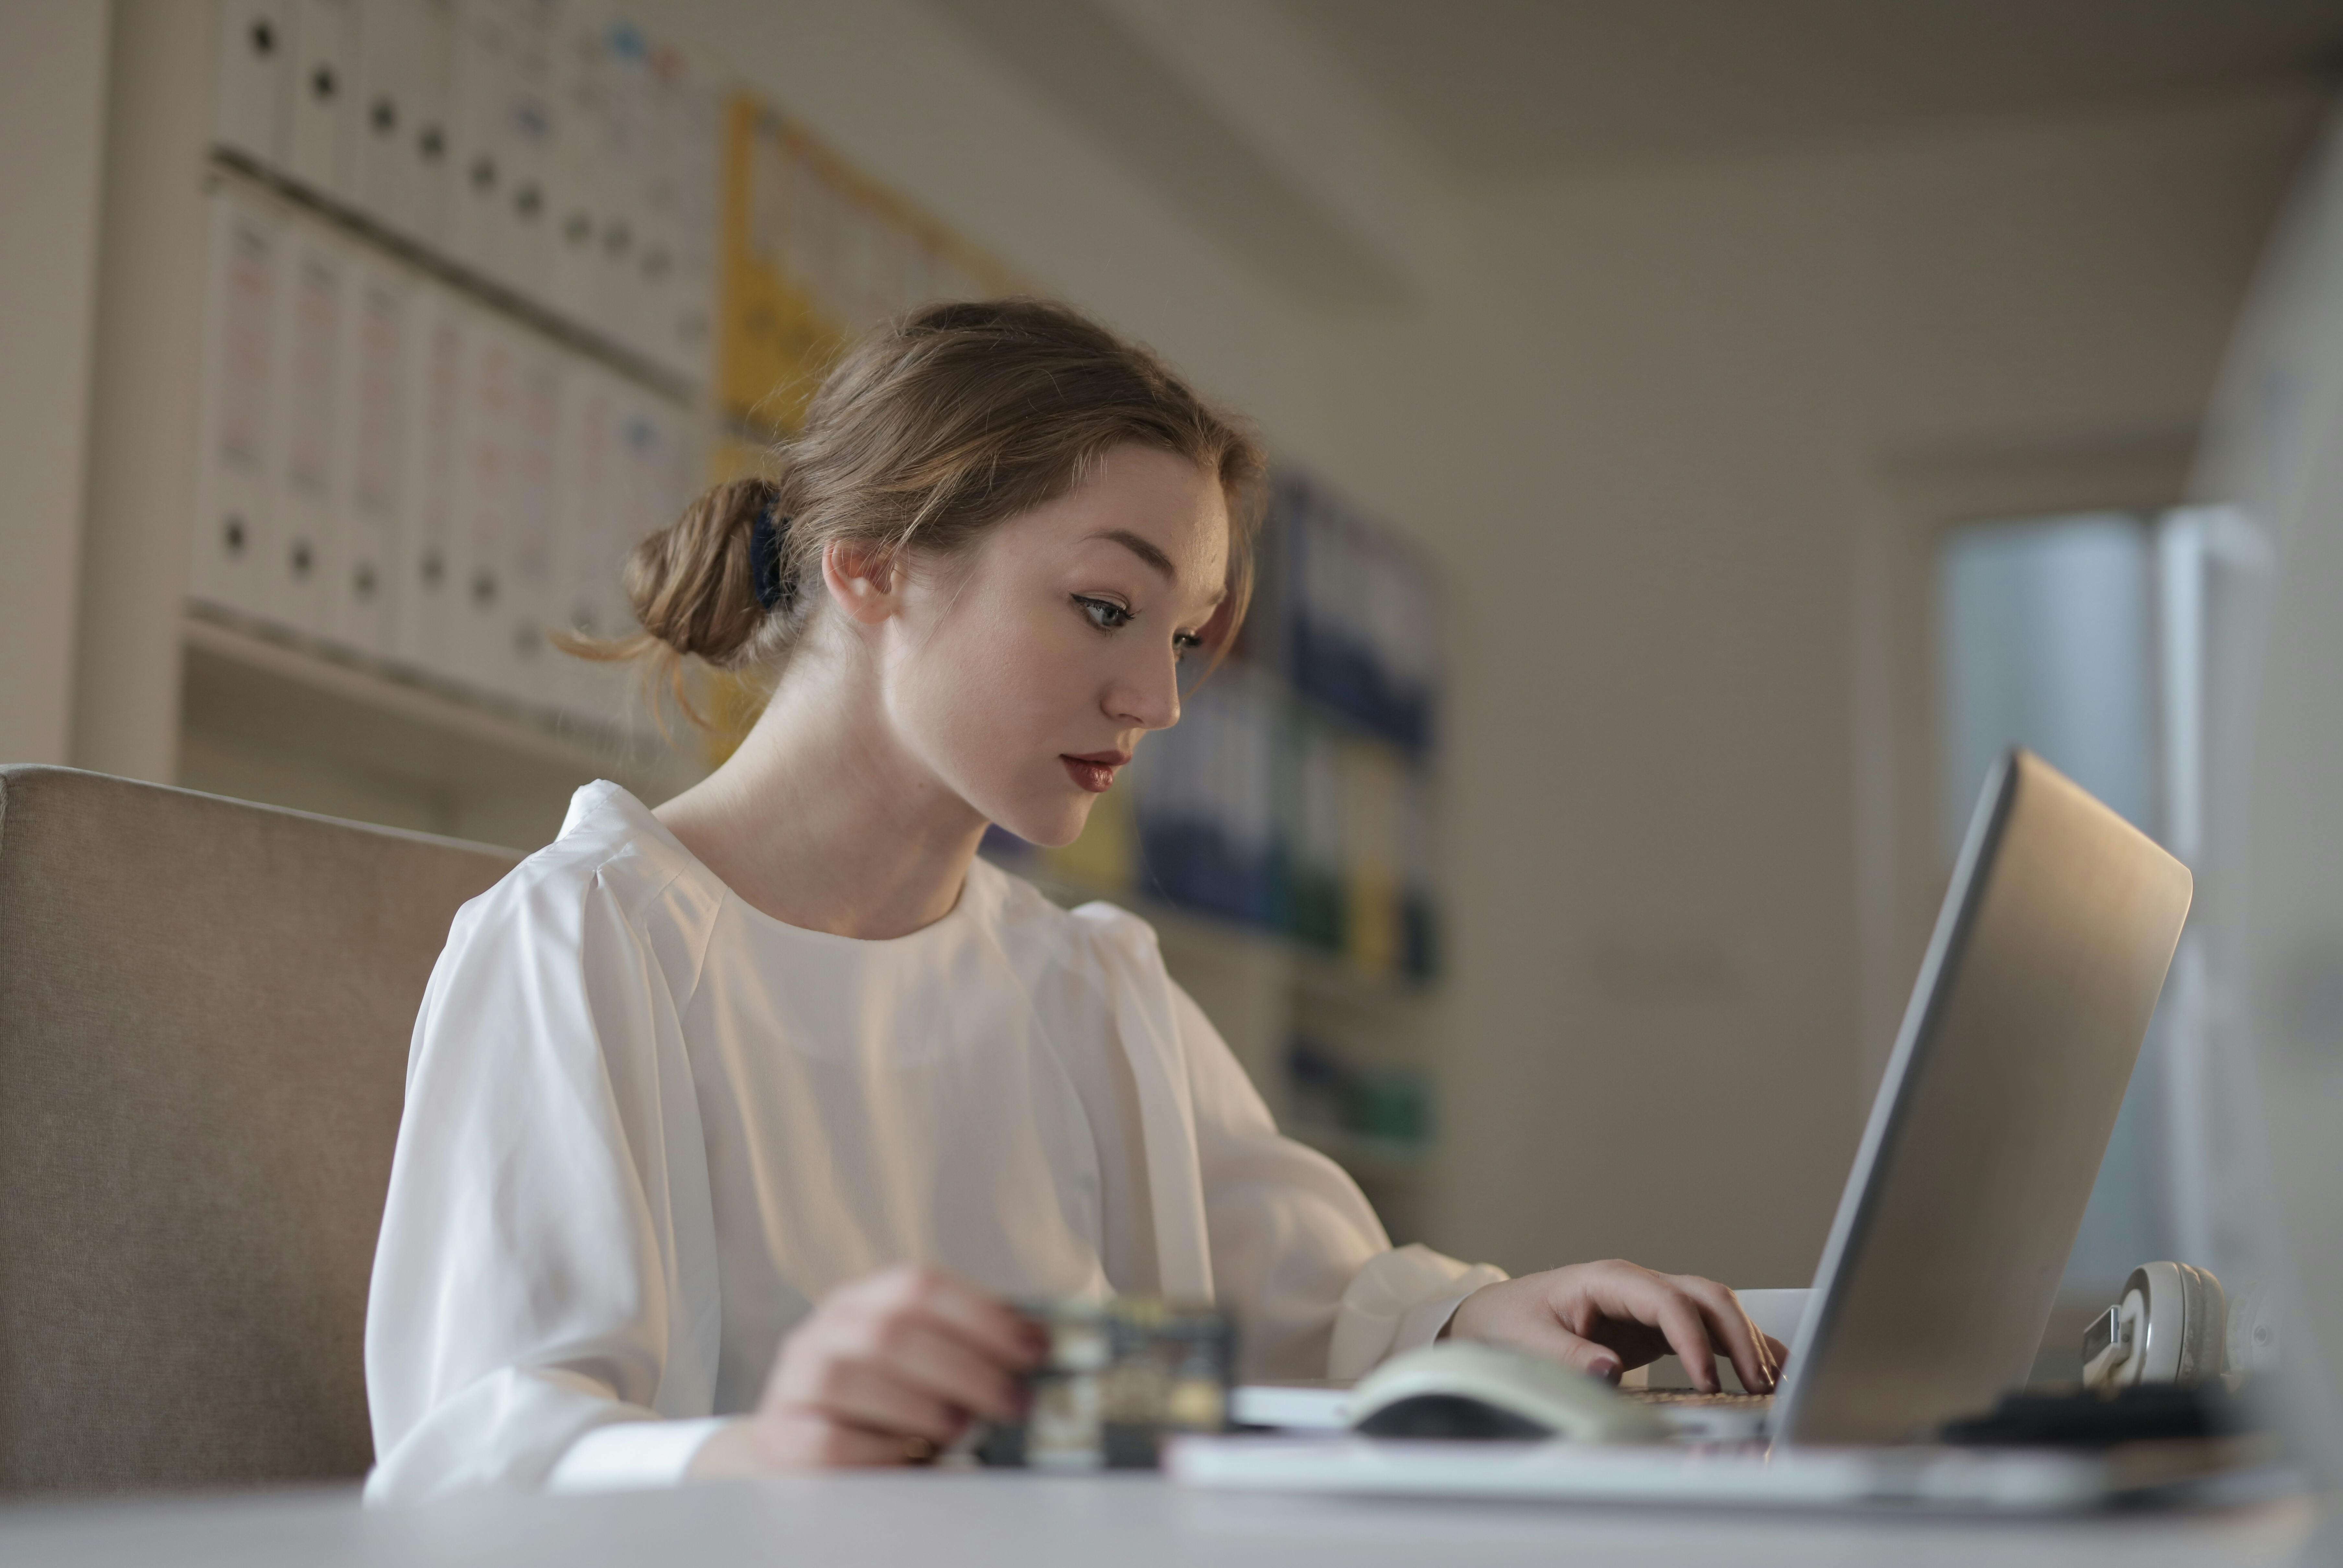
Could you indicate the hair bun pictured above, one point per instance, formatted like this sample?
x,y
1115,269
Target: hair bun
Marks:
x,y
694,583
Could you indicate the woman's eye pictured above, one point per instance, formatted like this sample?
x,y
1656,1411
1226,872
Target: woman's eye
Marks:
x,y
1104,613
1183,643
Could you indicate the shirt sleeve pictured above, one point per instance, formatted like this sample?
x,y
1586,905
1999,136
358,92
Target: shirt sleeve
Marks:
x,y
545,1265
1298,1254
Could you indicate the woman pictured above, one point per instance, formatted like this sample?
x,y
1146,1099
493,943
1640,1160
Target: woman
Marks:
x,y
729,1125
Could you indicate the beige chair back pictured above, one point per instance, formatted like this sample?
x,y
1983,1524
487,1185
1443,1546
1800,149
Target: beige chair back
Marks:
x,y
204,1008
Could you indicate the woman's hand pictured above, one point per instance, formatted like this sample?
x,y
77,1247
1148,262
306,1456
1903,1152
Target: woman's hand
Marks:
x,y
1603,1318
887,1369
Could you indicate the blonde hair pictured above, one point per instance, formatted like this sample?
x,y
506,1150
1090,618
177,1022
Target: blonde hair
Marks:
x,y
930,430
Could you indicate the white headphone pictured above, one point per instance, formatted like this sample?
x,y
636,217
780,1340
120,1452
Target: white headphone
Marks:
x,y
2171,1326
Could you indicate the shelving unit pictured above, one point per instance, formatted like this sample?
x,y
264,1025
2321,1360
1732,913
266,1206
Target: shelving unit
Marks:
x,y
230,704
232,168
266,716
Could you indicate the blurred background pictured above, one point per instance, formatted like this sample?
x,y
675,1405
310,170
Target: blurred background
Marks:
x,y
1706,432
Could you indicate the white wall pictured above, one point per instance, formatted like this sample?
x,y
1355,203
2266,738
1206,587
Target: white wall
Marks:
x,y
52,125
907,99
1679,433
1660,438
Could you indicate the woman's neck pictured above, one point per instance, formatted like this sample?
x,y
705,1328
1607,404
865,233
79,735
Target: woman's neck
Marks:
x,y
822,820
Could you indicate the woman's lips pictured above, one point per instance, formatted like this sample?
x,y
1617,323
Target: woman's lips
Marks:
x,y
1096,771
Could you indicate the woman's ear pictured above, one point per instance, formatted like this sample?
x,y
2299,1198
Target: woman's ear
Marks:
x,y
863,580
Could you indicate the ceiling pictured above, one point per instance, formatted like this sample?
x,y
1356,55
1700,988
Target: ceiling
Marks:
x,y
1078,55
1523,87
1500,90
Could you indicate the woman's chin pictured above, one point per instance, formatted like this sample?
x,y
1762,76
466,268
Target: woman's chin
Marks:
x,y
1051,826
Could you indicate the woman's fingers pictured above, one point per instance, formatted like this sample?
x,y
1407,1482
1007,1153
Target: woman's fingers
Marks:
x,y
960,1309
1596,1360
1678,1317
850,1350
1700,1318
893,1364
1733,1333
1599,1316
944,1368
872,1396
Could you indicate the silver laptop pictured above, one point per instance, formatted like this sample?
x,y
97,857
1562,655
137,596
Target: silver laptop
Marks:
x,y
1986,1133
1990,1123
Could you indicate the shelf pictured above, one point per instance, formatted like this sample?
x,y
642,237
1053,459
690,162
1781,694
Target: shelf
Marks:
x,y
227,164
1308,705
1331,978
269,716
1367,1157
1316,973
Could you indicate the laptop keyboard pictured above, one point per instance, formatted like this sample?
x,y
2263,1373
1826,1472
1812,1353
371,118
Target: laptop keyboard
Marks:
x,y
1693,1396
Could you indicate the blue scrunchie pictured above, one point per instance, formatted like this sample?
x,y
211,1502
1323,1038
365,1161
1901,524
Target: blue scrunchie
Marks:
x,y
765,558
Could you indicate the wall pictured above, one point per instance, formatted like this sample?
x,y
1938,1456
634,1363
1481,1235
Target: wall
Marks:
x,y
1679,434
51,76
1682,439
908,97
146,360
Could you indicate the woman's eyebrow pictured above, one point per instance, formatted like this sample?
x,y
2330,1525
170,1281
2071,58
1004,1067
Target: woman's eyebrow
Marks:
x,y
1155,558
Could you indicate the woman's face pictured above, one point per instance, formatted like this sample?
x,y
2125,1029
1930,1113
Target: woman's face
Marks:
x,y
1024,676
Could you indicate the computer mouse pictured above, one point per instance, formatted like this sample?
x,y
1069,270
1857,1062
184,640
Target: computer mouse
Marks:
x,y
1460,1388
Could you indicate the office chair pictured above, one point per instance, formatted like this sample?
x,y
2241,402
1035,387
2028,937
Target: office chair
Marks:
x,y
204,1008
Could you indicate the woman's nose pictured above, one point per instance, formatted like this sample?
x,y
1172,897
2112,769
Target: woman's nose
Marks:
x,y
1149,699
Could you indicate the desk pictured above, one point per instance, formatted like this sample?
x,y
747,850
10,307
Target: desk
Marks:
x,y
980,1521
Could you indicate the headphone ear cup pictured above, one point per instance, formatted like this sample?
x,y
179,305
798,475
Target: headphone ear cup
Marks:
x,y
2163,1321
2184,1321
2203,1337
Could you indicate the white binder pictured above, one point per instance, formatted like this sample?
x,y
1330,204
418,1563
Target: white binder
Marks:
x,y
486,498
431,91
659,472
695,149
526,659
423,599
656,262
620,310
588,595
525,130
479,184
254,74
385,174
677,269
372,459
579,164
234,539
308,344
644,501
321,119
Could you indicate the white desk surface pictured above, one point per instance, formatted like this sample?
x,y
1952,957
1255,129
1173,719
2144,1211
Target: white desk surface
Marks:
x,y
977,1520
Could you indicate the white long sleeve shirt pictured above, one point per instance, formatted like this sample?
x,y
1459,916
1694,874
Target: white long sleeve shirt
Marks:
x,y
648,1126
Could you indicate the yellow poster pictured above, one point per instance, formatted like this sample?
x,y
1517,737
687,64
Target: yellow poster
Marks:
x,y
811,252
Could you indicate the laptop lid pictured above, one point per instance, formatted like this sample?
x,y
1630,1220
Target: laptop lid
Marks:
x,y
1987,1131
